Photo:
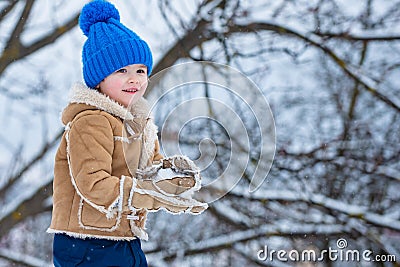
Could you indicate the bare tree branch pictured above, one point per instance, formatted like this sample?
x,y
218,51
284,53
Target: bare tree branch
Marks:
x,y
353,211
227,241
31,206
34,160
183,46
351,71
355,38
201,33
15,50
15,37
51,37
4,12
22,259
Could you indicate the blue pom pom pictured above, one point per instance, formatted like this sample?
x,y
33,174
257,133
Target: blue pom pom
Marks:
x,y
96,11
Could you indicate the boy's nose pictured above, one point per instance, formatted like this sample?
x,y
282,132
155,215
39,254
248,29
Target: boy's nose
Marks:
x,y
133,79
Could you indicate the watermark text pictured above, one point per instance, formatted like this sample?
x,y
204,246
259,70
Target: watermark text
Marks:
x,y
340,253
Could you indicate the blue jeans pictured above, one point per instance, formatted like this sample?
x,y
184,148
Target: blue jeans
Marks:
x,y
70,252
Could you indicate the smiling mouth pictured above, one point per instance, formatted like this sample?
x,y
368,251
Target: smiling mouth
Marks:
x,y
131,90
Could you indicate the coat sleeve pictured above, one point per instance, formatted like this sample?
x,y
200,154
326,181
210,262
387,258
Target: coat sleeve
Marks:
x,y
91,145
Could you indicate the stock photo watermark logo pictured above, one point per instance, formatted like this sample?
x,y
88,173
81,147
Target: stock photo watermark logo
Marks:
x,y
340,253
220,119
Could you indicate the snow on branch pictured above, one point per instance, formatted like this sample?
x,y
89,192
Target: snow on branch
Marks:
x,y
19,258
364,38
233,215
230,239
354,72
359,212
243,251
25,205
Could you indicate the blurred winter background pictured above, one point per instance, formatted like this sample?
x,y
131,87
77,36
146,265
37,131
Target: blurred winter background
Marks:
x,y
330,71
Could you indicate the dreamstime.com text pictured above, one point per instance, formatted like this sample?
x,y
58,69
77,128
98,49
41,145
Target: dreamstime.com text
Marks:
x,y
340,253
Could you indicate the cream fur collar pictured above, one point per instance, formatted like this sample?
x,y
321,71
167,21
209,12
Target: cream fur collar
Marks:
x,y
81,94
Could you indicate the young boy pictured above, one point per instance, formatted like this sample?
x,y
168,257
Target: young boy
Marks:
x,y
100,201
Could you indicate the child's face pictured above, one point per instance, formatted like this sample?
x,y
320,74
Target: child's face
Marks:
x,y
125,83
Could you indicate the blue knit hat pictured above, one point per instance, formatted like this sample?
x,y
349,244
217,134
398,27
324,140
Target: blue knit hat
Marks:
x,y
110,45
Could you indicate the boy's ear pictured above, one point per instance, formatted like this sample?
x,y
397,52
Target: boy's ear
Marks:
x,y
97,87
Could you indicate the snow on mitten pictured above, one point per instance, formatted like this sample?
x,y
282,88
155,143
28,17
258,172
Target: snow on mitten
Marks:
x,y
176,175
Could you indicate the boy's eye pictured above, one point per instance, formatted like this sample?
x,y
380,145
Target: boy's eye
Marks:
x,y
141,71
121,71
